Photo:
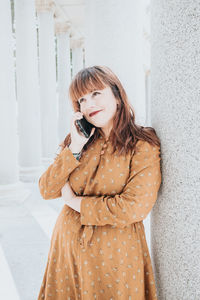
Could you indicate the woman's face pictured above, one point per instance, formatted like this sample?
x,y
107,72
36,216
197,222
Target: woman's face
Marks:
x,y
99,100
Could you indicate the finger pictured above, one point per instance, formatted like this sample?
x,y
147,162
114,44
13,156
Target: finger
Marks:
x,y
92,131
62,191
78,115
74,113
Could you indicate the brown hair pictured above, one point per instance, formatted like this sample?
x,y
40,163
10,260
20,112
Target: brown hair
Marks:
x,y
125,133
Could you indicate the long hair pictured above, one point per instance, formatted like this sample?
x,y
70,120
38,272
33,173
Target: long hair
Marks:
x,y
125,133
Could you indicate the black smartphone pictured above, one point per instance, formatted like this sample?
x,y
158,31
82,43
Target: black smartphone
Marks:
x,y
84,126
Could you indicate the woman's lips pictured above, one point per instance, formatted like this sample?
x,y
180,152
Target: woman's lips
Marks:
x,y
95,113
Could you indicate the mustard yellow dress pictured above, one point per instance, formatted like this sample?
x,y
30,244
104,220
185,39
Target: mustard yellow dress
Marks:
x,y
101,253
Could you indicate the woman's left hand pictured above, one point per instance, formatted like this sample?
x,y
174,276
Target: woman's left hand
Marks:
x,y
67,192
70,197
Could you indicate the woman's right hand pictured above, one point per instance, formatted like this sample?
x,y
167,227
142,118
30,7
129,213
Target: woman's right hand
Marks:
x,y
78,139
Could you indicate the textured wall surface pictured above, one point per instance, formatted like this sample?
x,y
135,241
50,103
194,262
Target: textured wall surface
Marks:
x,y
175,110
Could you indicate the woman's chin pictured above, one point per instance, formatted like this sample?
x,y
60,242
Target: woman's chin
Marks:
x,y
96,123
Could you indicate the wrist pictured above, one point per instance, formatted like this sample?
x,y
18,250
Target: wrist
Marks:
x,y
77,198
75,148
77,155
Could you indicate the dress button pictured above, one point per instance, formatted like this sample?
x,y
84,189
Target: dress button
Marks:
x,y
104,146
102,152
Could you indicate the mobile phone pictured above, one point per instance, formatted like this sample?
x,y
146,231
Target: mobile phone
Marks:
x,y
84,126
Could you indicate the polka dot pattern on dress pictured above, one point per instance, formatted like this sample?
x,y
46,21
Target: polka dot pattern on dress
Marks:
x,y
101,252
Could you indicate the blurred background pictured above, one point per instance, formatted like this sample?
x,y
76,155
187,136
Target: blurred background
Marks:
x,y
154,48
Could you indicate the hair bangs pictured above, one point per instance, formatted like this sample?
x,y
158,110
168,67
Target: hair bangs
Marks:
x,y
85,82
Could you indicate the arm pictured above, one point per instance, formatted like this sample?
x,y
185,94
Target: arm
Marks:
x,y
137,198
70,198
54,178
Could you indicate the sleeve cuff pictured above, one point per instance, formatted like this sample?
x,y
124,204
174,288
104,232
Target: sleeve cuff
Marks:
x,y
67,155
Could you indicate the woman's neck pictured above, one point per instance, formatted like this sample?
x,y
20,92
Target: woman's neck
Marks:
x,y
106,134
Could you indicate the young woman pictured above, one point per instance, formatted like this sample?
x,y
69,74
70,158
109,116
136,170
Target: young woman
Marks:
x,y
109,186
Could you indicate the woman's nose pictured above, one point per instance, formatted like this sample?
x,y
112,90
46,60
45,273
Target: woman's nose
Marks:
x,y
90,102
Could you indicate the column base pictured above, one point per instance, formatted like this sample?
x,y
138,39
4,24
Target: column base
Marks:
x,y
11,194
46,161
30,174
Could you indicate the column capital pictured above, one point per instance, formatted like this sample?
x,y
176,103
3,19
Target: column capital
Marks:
x,y
62,27
146,70
44,5
76,42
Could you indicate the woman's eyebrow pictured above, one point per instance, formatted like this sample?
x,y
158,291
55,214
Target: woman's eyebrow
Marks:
x,y
95,90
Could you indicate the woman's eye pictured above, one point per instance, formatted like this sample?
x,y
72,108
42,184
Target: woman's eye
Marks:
x,y
80,100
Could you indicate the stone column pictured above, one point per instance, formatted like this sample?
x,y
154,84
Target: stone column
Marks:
x,y
114,37
77,55
146,49
175,111
47,67
145,60
11,189
28,91
64,78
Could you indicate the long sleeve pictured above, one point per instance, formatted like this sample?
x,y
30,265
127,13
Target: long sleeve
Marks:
x,y
55,177
137,198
